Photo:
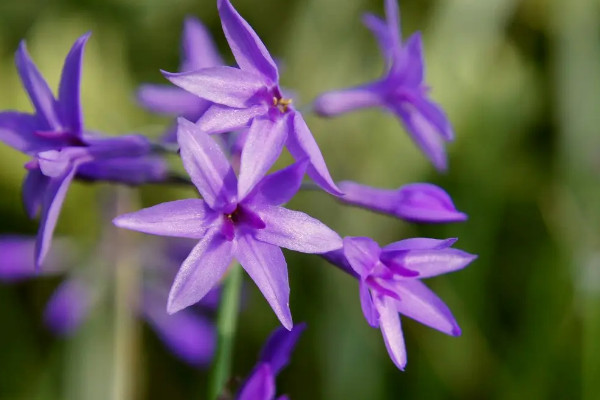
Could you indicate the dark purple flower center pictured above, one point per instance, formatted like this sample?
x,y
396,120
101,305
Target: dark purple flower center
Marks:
x,y
241,216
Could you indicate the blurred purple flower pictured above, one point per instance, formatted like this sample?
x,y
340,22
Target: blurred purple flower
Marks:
x,y
236,218
260,385
250,96
55,137
389,283
417,202
402,91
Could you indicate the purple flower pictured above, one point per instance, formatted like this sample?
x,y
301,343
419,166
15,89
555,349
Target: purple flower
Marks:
x,y
56,140
275,355
402,91
239,219
198,52
250,96
389,283
417,202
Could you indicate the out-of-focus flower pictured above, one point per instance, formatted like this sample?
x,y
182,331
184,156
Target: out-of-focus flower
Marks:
x,y
389,283
250,96
417,202
239,219
190,334
402,91
59,146
275,355
198,51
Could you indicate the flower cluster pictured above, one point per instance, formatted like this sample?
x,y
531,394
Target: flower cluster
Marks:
x,y
232,124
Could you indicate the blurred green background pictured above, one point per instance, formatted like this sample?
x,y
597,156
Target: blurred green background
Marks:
x,y
520,80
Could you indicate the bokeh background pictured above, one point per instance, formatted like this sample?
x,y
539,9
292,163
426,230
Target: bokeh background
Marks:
x,y
520,80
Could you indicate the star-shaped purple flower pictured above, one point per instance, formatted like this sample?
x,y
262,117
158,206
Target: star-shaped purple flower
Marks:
x,y
250,96
389,283
402,90
275,355
236,219
60,147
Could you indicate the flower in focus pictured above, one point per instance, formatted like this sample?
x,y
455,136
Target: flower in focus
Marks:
x,y
275,355
60,147
402,91
239,219
416,202
198,52
250,96
389,283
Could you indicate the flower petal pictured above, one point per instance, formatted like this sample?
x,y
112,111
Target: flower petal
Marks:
x,y
68,307
391,329
51,205
200,271
221,119
418,302
172,101
206,164
130,171
419,202
302,145
266,266
190,336
34,187
338,102
279,187
249,51
420,244
16,263
368,308
40,94
429,263
228,86
297,231
411,67
198,47
392,17
17,130
69,101
260,385
189,218
381,31
263,146
279,346
362,253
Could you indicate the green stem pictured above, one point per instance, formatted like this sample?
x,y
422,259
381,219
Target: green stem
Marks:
x,y
226,327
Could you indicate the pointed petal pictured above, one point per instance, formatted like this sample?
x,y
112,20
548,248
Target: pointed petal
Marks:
x,y
392,17
188,218
34,187
69,100
207,166
263,146
198,47
330,104
389,322
419,202
381,31
368,308
430,263
413,63
51,206
260,384
421,304
200,271
279,187
171,100
420,244
68,307
267,267
279,346
221,119
249,51
302,145
17,130
362,253
297,231
40,94
423,133
190,336
228,86
16,263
